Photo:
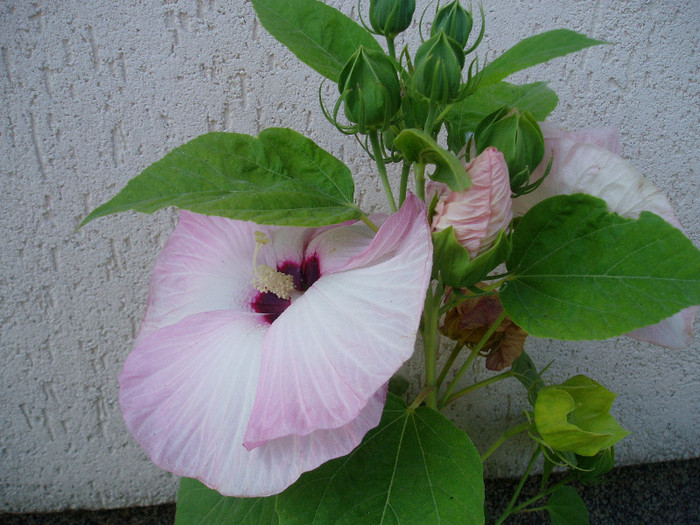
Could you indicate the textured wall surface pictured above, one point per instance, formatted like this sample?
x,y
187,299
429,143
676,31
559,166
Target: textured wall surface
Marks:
x,y
93,92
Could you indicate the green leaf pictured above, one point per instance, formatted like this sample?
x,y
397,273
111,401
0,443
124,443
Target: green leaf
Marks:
x,y
580,272
463,117
534,50
566,507
526,372
199,505
575,417
590,470
418,146
319,35
416,467
281,178
451,260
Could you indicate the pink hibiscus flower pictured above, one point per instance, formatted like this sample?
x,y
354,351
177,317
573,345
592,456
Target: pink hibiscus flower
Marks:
x,y
245,376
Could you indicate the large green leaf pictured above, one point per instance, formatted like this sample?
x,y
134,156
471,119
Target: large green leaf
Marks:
x,y
415,468
580,272
418,146
535,50
281,177
199,505
463,117
319,35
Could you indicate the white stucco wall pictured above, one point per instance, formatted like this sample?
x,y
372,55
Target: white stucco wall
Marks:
x,y
93,92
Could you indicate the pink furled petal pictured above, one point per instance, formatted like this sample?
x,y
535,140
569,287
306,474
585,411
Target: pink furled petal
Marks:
x,y
330,351
187,392
479,213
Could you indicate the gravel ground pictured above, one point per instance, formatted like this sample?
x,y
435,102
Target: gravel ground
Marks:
x,y
660,493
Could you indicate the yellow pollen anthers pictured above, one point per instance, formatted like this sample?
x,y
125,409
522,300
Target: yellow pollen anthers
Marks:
x,y
266,279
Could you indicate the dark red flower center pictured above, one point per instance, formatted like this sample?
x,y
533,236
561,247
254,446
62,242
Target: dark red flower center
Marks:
x,y
304,275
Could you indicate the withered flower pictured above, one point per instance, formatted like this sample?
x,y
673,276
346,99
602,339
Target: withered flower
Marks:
x,y
469,322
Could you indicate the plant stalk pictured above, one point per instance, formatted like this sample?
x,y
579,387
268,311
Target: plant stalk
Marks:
x,y
472,356
379,159
504,437
429,328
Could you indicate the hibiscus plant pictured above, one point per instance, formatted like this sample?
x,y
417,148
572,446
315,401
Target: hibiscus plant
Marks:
x,y
279,311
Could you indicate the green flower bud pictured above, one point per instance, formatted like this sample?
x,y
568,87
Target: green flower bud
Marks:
x,y
574,417
518,136
455,21
370,90
391,17
438,74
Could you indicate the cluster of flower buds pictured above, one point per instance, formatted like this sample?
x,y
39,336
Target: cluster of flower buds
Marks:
x,y
369,85
519,137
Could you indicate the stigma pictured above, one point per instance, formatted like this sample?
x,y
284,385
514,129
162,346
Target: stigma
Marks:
x,y
266,279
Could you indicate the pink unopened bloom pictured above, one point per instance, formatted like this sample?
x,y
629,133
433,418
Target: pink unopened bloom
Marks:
x,y
265,351
588,161
479,213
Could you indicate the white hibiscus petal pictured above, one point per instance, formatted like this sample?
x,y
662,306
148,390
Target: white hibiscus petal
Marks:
x,y
187,392
675,332
205,266
587,168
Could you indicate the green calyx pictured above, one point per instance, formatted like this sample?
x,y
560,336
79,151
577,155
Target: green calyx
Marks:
x,y
575,417
455,21
370,90
518,136
438,75
391,17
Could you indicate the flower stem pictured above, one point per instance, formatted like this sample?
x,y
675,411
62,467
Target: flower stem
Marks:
x,y
430,120
404,181
539,496
420,397
472,356
369,223
379,159
429,327
511,504
504,437
419,171
450,361
391,47
476,386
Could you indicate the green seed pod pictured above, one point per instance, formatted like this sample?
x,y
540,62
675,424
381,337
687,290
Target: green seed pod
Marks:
x,y
455,21
391,17
438,74
370,90
575,417
518,136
